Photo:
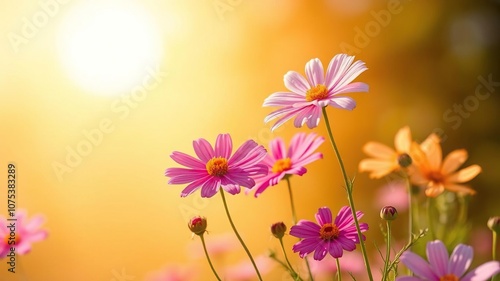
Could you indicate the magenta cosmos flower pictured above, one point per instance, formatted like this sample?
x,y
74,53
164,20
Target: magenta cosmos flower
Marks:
x,y
27,231
328,236
282,162
309,96
216,168
444,268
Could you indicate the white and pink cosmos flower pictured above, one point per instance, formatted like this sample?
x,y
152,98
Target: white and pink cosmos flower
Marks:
x,y
309,96
218,167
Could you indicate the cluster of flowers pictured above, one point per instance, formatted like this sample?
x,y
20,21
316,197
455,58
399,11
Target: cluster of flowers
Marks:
x,y
216,169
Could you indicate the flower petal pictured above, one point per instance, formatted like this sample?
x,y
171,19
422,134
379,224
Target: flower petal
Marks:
x,y
313,120
418,266
402,140
320,251
187,160
342,103
195,185
296,83
306,246
432,149
466,174
460,260
324,216
438,257
210,187
278,149
315,72
454,160
283,99
377,168
223,146
483,272
378,150
356,87
335,248
459,188
305,229
203,149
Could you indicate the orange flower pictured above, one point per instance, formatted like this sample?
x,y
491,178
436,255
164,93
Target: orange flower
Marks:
x,y
385,159
436,175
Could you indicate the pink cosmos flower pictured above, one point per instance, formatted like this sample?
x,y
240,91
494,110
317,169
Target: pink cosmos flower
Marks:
x,y
282,162
309,96
26,232
441,267
328,236
216,168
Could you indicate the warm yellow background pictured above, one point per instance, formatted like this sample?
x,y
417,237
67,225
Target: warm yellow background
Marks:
x,y
115,211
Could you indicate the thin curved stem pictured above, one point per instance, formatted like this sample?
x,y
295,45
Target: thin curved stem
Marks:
x,y
429,217
494,250
294,274
410,210
294,214
238,235
208,257
349,187
339,275
387,252
294,220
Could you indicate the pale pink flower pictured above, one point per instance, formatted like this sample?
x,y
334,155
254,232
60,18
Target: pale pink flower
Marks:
x,y
173,272
217,168
309,96
27,231
282,162
244,271
217,246
392,194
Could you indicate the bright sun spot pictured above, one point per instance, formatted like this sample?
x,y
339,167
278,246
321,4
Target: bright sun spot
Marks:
x,y
106,48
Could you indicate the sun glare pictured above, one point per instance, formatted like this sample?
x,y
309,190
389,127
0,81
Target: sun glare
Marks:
x,y
107,47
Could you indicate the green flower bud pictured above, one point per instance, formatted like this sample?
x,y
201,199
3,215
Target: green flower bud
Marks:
x,y
494,224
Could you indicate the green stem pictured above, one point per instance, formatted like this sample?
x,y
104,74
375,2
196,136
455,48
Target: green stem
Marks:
x,y
349,188
294,220
494,251
294,274
294,214
410,210
208,257
238,235
388,252
429,218
339,276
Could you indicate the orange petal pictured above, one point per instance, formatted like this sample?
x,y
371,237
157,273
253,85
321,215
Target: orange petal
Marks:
x,y
458,188
434,190
402,140
466,174
378,150
417,178
378,168
454,160
432,149
418,155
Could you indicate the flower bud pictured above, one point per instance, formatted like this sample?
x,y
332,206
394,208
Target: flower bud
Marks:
x,y
388,213
404,160
198,225
494,224
278,229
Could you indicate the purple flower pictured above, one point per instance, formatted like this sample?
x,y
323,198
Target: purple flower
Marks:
x,y
444,268
217,168
328,236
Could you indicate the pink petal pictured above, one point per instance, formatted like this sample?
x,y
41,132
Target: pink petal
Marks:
x,y
305,229
483,272
306,246
187,160
356,87
336,68
296,83
23,248
223,146
320,251
203,149
344,218
348,75
181,175
277,147
315,72
438,257
324,216
34,223
347,244
210,187
283,99
239,178
460,259
37,236
242,153
313,120
195,185
335,249
342,103
287,114
418,266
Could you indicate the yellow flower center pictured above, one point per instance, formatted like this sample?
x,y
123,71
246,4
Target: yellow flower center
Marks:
x,y
9,238
317,93
329,231
282,165
449,277
217,166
